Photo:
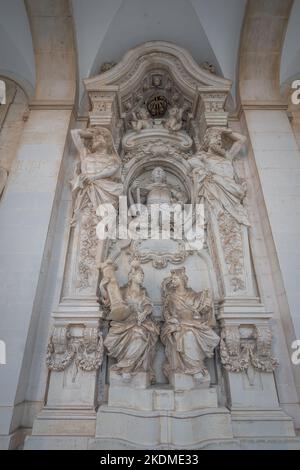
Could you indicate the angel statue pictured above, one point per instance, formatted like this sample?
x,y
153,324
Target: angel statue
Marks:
x,y
141,120
214,175
132,336
187,334
97,178
174,121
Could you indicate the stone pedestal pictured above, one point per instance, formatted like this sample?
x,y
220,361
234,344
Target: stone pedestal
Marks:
x,y
188,382
180,414
182,395
120,428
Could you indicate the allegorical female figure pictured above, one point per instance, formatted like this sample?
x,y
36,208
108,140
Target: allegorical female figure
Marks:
x,y
97,179
214,175
131,340
186,333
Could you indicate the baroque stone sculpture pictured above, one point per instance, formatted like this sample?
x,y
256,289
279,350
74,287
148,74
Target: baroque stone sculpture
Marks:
x,y
132,340
97,178
174,121
157,191
242,347
214,176
141,120
64,348
186,333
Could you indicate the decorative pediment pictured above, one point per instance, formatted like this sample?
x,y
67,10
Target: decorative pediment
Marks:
x,y
157,76
185,71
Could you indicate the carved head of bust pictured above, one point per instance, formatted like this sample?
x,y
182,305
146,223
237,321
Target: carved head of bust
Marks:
x,y
158,175
178,278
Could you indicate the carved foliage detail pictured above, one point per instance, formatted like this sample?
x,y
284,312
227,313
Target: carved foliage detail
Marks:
x,y
232,242
88,245
240,350
63,347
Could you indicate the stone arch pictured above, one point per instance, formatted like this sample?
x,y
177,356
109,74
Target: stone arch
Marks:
x,y
51,26
260,49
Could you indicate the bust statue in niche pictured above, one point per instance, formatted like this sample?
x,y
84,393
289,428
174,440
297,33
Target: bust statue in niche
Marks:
x,y
161,199
156,191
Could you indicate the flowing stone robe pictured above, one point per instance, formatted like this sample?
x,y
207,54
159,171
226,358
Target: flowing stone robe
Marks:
x,y
215,178
186,335
97,177
132,341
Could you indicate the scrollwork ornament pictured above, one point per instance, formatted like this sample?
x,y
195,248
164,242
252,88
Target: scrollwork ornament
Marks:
x,y
90,352
63,348
60,351
238,354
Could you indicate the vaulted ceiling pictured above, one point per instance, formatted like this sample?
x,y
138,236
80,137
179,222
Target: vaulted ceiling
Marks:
x,y
104,30
16,48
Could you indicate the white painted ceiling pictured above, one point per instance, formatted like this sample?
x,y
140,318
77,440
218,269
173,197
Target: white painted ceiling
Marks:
x,y
106,29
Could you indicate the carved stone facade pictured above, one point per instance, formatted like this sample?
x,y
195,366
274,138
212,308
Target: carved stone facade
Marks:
x,y
86,350
177,342
247,345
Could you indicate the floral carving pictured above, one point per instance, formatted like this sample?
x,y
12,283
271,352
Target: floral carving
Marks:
x,y
88,247
232,242
85,350
239,352
60,351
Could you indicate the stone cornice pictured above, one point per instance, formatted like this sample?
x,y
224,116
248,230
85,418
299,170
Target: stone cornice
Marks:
x,y
52,105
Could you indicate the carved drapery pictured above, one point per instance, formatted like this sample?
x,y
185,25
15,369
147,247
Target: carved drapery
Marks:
x,y
156,109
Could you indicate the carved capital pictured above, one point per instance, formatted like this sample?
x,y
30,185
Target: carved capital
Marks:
x,y
105,110
213,109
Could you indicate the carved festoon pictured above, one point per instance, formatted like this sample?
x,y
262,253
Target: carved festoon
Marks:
x,y
64,347
243,346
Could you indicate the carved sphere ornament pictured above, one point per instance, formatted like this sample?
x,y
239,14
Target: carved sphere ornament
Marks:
x,y
157,106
